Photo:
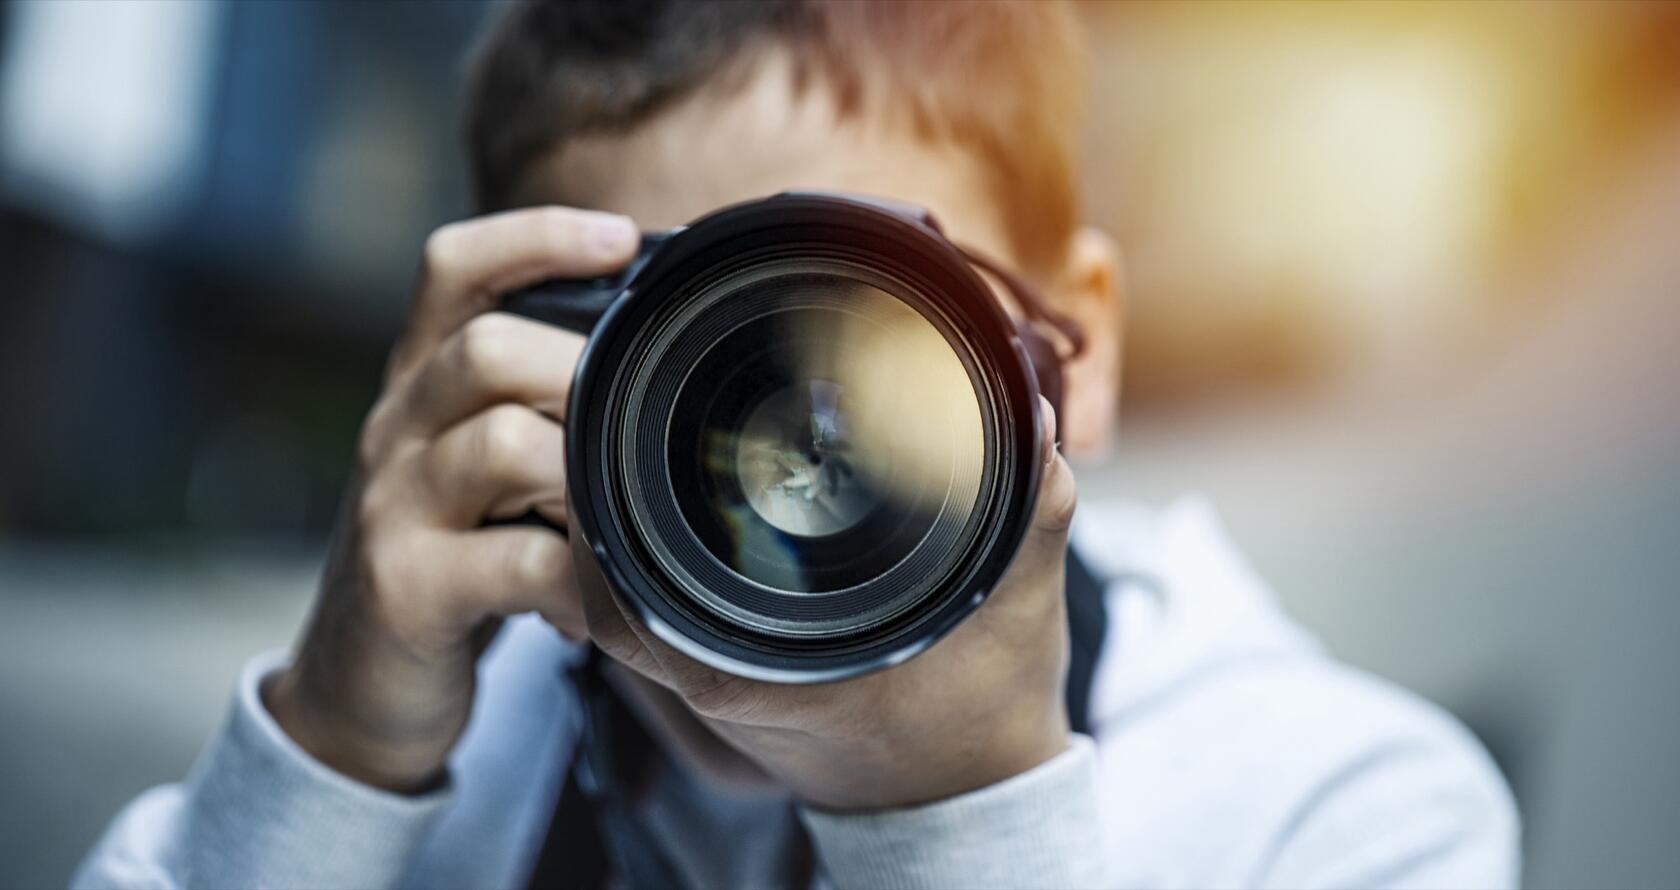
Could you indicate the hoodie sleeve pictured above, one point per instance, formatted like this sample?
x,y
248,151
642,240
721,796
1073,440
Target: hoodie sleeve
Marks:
x,y
257,810
1037,829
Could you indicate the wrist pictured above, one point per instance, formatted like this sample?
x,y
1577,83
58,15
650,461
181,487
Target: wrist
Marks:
x,y
317,727
925,767
1008,761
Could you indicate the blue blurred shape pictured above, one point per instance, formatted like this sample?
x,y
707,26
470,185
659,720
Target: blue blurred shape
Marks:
x,y
102,111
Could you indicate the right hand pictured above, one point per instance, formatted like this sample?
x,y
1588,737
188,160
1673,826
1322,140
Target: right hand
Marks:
x,y
468,427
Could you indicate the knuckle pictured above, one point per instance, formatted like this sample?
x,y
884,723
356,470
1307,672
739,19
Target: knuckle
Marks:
x,y
538,561
370,448
368,508
483,345
375,441
508,439
441,250
561,230
375,501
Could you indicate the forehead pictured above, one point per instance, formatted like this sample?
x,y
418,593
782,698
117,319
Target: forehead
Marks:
x,y
721,147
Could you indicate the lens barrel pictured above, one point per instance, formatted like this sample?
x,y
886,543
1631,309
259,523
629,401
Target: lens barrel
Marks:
x,y
803,438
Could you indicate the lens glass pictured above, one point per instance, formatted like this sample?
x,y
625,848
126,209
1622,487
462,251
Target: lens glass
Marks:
x,y
822,444
793,461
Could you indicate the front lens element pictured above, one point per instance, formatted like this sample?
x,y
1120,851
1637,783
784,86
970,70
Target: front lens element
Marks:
x,y
807,450
793,462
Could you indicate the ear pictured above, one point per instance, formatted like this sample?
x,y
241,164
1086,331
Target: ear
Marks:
x,y
1090,289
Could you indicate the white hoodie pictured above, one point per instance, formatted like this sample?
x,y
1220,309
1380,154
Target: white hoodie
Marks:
x,y
1227,749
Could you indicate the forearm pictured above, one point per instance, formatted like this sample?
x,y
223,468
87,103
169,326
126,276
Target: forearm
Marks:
x,y
257,811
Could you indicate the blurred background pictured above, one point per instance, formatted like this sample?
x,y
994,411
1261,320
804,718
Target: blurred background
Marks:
x,y
1405,303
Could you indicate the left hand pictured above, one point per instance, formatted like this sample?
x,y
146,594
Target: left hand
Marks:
x,y
981,705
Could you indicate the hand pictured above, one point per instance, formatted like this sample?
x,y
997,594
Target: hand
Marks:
x,y
980,706
468,427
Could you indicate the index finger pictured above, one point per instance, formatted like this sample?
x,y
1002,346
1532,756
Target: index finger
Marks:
x,y
467,265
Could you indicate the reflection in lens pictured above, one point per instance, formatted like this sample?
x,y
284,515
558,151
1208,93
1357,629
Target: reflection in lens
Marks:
x,y
794,458
911,411
824,451
845,431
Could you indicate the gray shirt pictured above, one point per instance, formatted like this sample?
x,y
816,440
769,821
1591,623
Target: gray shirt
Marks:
x,y
1226,750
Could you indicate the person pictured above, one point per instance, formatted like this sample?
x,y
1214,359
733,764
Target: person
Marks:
x,y
416,738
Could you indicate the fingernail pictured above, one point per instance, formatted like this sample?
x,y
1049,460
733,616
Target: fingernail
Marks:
x,y
615,235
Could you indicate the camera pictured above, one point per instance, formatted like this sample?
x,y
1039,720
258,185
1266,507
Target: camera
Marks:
x,y
803,437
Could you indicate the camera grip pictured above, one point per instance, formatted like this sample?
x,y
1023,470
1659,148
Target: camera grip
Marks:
x,y
566,303
576,304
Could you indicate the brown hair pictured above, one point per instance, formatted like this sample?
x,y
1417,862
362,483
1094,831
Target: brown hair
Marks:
x,y
1001,78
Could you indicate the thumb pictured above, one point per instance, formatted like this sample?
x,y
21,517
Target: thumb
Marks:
x,y
1044,547
608,626
1057,494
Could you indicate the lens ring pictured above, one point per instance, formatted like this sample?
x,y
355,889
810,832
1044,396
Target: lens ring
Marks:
x,y
673,345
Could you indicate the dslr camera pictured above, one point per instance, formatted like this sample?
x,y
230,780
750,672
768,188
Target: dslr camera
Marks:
x,y
804,434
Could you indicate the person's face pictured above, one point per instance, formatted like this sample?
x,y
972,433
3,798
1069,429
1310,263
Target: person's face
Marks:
x,y
711,151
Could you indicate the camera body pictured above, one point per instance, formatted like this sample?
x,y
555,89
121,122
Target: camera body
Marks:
x,y
803,437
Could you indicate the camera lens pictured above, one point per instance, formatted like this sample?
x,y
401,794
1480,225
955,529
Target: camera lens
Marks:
x,y
803,433
793,462
803,448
